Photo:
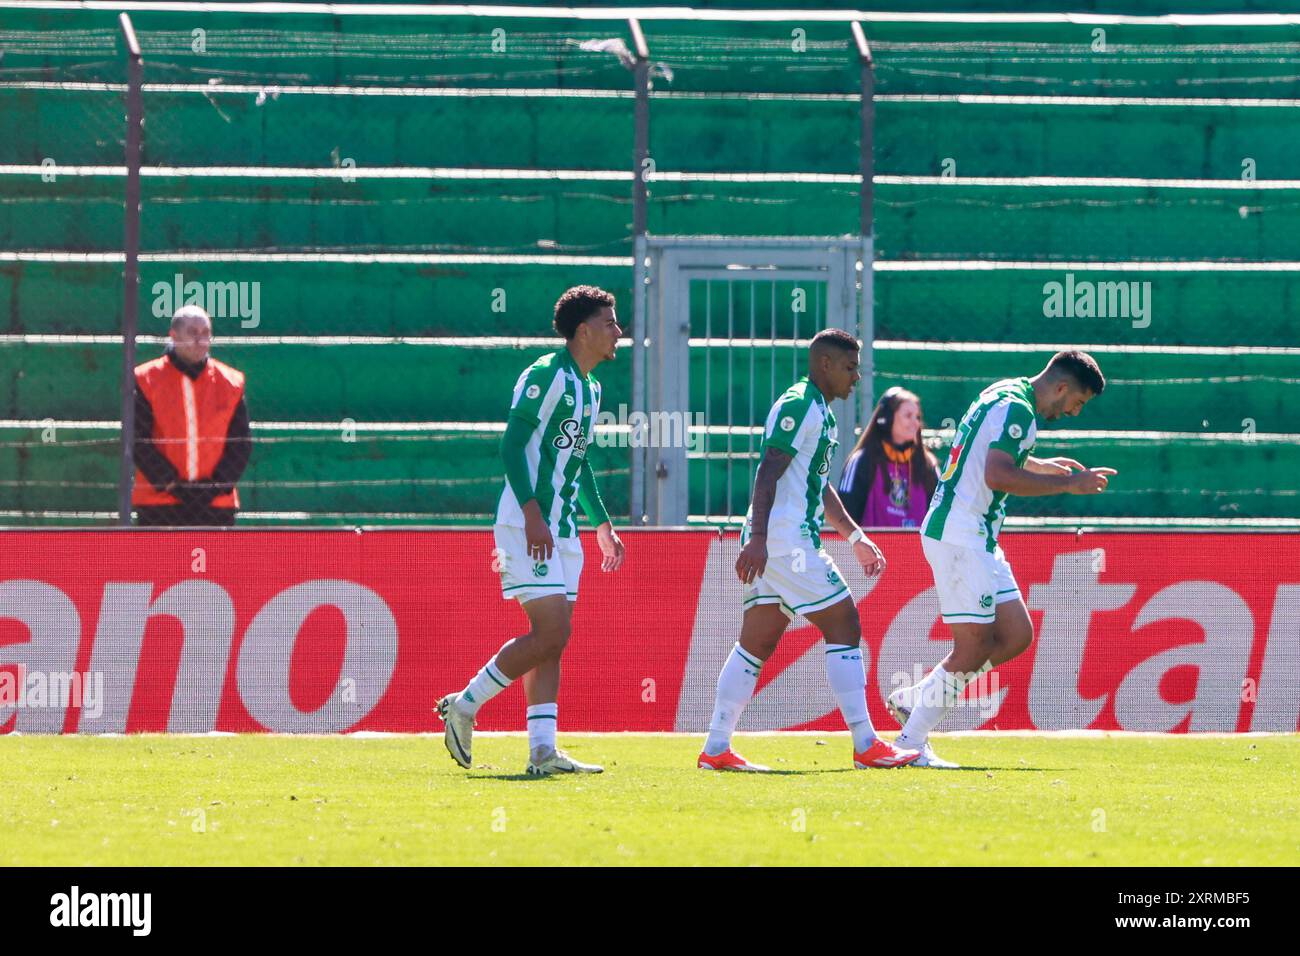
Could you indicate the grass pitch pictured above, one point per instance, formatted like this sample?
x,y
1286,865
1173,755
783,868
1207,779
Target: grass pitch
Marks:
x,y
271,800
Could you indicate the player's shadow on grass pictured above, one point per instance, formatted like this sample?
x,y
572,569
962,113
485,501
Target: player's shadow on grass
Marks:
x,y
915,769
532,777
1004,769
784,773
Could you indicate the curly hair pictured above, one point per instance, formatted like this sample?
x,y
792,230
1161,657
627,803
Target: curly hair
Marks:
x,y
577,305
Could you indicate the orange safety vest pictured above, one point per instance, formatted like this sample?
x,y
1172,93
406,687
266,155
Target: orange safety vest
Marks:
x,y
191,418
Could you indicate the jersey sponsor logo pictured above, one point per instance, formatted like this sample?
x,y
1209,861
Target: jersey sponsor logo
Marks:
x,y
571,435
787,424
824,466
532,391
1015,431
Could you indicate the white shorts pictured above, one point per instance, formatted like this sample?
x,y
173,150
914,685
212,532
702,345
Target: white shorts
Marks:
x,y
970,582
803,582
524,578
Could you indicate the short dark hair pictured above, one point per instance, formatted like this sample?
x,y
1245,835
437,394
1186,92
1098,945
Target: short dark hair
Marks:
x,y
835,338
577,305
1081,367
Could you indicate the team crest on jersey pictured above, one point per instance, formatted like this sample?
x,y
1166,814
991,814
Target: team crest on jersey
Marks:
x,y
539,569
533,391
1015,431
986,601
571,435
787,424
832,577
954,456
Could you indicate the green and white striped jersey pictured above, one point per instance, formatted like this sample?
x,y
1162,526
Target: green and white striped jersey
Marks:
x,y
802,425
561,404
964,509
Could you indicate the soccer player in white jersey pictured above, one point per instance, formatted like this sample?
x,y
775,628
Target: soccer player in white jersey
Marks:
x,y
978,595
784,568
548,475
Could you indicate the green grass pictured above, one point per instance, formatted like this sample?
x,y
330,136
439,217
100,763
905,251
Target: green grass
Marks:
x,y
400,800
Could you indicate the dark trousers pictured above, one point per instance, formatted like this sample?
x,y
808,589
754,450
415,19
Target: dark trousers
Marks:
x,y
155,516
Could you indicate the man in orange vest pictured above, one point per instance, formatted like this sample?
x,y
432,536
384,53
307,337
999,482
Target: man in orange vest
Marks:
x,y
192,439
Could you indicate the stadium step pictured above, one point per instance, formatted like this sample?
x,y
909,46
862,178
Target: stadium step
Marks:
x,y
1219,307
709,134
501,216
1151,390
428,474
915,57
488,298
1172,478
1074,224
1225,306
458,475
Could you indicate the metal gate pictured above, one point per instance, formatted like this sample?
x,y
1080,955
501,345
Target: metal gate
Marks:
x,y
721,328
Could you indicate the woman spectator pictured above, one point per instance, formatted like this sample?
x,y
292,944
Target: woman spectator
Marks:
x,y
890,475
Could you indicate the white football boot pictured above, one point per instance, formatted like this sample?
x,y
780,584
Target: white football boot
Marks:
x,y
930,759
459,732
900,704
543,763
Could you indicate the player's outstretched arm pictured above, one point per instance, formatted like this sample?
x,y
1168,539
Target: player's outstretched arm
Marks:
x,y
1002,474
1052,466
611,545
753,556
864,549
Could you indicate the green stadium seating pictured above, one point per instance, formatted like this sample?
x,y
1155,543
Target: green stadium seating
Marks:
x,y
701,122
329,298
499,216
374,479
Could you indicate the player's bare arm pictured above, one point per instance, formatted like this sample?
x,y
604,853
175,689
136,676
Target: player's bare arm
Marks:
x,y
1002,474
611,547
753,556
1052,466
536,531
864,549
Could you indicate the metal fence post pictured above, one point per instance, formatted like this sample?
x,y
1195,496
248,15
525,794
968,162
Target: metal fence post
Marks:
x,y
131,267
866,220
640,200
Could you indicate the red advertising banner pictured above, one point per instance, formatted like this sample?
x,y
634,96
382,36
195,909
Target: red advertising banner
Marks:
x,y
339,631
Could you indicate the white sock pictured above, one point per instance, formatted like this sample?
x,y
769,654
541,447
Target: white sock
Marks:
x,y
541,727
910,693
848,678
932,698
735,687
486,684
